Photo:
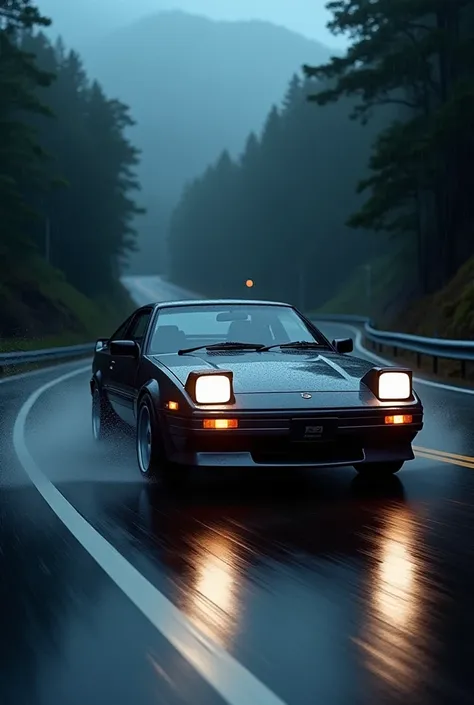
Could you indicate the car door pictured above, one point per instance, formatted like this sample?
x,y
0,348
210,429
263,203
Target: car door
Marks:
x,y
102,358
123,371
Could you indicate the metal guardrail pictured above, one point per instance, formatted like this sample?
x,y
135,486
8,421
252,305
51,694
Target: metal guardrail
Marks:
x,y
30,357
436,348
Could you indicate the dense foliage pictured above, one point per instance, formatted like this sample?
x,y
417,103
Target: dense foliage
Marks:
x,y
419,54
66,168
267,216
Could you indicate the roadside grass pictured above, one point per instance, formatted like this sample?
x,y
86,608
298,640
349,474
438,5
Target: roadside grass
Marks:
x,y
447,314
40,309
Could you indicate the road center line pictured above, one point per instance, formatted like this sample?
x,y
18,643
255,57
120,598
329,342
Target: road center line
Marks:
x,y
445,454
234,683
444,459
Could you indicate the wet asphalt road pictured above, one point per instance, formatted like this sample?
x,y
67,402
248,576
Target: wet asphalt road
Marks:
x,y
326,590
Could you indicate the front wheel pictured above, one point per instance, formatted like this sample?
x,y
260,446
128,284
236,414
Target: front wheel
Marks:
x,y
379,470
151,456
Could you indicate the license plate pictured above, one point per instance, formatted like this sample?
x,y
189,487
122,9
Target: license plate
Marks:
x,y
313,430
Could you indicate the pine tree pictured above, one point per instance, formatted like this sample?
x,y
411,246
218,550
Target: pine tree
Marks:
x,y
20,15
21,155
412,55
88,171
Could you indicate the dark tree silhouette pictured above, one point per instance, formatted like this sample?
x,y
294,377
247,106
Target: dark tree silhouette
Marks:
x,y
67,171
419,56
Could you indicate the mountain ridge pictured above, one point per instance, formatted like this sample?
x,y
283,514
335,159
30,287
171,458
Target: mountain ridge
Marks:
x,y
83,20
203,20
196,87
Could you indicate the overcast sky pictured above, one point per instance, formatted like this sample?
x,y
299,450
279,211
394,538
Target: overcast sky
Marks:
x,y
308,17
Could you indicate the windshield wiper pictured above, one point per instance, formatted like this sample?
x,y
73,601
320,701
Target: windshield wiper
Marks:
x,y
297,344
223,346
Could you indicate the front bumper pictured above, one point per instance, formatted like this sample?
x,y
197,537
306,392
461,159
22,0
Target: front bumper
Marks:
x,y
348,437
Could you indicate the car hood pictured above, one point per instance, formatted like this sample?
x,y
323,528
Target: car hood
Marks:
x,y
275,371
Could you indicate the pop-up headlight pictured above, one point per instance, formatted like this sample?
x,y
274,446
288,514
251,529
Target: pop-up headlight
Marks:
x,y
213,389
394,385
210,387
390,384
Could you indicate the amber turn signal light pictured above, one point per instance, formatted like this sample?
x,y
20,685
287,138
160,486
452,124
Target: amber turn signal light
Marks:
x,y
172,405
399,419
219,424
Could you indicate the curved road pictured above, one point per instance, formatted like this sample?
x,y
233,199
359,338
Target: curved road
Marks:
x,y
321,591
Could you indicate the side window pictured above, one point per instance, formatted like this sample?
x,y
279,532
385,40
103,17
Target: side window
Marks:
x,y
120,332
139,327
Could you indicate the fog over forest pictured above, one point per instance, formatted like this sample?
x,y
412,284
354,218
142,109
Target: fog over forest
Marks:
x,y
195,85
219,146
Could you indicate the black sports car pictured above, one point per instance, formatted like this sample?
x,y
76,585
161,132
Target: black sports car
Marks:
x,y
248,384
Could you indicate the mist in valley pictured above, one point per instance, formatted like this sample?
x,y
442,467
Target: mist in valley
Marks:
x,y
196,84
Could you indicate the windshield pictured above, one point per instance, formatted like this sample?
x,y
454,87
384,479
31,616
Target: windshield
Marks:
x,y
182,327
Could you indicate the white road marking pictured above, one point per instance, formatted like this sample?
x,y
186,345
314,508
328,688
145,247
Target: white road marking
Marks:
x,y
380,360
234,683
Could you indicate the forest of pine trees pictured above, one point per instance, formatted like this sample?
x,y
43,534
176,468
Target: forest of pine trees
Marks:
x,y
67,178
317,193
366,156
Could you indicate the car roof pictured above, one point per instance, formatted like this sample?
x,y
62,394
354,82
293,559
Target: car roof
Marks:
x,y
212,302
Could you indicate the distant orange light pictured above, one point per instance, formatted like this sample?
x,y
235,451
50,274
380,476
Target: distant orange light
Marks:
x,y
219,424
249,283
399,419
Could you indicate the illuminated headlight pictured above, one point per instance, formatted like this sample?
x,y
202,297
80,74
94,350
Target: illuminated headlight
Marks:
x,y
213,389
394,385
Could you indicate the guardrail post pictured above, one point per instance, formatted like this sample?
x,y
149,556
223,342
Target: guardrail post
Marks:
x,y
395,351
463,369
418,360
435,365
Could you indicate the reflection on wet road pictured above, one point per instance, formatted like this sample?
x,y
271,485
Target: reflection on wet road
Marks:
x,y
392,639
325,589
300,586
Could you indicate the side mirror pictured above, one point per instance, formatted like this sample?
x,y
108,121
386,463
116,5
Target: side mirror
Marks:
x,y
124,348
343,345
100,344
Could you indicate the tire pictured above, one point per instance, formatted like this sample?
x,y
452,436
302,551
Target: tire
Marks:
x,y
103,417
379,470
151,456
